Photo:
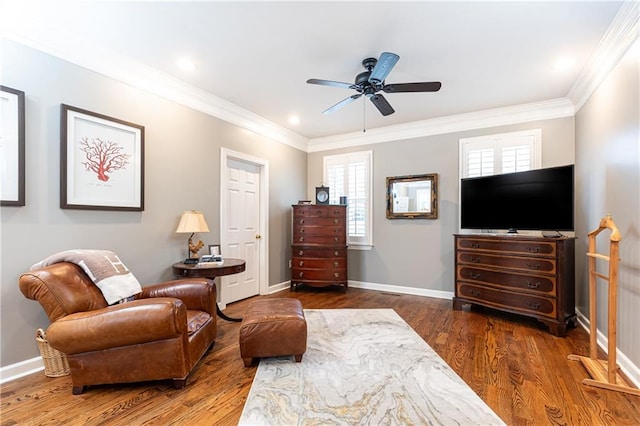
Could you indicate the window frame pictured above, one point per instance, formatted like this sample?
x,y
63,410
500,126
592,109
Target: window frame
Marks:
x,y
497,142
355,242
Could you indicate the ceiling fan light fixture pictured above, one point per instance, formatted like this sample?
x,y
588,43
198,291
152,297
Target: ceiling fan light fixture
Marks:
x,y
372,81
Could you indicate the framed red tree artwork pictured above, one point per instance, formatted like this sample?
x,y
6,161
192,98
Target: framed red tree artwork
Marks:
x,y
101,162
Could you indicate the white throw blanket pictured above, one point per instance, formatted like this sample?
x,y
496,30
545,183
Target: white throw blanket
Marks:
x,y
105,269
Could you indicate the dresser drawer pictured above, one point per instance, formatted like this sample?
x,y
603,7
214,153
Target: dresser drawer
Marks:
x,y
508,280
535,264
541,248
319,252
318,263
506,300
301,230
318,211
327,274
338,240
320,221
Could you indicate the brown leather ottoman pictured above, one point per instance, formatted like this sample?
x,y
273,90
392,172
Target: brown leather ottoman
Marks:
x,y
273,327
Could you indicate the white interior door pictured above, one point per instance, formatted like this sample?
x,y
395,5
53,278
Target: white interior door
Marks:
x,y
243,225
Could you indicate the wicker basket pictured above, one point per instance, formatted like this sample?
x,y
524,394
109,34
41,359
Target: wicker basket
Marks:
x,y
55,362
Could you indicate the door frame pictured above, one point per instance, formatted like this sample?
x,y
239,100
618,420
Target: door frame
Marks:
x,y
263,215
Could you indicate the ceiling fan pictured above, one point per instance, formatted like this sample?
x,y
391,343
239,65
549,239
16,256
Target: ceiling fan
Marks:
x,y
371,81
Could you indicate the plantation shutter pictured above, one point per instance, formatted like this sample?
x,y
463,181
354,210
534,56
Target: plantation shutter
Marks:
x,y
350,175
500,153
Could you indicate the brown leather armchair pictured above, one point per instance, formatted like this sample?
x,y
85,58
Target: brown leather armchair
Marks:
x,y
162,334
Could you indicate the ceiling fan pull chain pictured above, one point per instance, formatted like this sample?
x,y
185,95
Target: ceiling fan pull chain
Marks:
x,y
364,114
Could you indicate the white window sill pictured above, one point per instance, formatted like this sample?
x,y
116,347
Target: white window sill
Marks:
x,y
366,247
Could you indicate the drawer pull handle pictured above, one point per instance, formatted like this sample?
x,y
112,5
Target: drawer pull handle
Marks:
x,y
533,285
336,230
475,276
301,263
335,274
475,245
533,305
302,230
533,265
533,249
301,239
335,238
475,260
336,212
301,221
336,253
301,274
335,263
300,253
475,293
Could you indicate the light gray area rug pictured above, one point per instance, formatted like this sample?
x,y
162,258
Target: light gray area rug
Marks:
x,y
362,367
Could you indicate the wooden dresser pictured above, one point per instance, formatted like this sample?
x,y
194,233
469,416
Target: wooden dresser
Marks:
x,y
319,245
532,276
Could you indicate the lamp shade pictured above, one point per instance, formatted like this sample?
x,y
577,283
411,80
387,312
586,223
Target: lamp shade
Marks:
x,y
192,221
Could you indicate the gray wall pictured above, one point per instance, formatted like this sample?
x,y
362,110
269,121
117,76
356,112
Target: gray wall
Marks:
x,y
419,253
182,160
608,182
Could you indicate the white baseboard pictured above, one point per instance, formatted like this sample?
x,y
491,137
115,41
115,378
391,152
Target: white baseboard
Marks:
x,y
279,287
438,294
21,369
379,287
631,370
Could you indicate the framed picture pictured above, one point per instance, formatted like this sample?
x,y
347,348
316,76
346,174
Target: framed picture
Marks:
x,y
101,162
214,250
12,147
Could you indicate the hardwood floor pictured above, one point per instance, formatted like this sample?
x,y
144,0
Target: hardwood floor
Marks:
x,y
518,369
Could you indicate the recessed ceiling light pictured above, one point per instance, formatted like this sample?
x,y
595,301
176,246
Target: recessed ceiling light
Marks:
x,y
294,119
186,64
564,63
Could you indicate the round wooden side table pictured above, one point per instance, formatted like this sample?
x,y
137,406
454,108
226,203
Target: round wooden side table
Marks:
x,y
198,270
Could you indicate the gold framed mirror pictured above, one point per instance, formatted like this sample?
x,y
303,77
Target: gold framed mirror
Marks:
x,y
412,197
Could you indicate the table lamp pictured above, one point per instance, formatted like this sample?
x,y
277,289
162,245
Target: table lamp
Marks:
x,y
191,222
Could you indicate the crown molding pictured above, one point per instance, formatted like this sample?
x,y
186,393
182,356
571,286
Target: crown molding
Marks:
x,y
623,32
61,43
555,108
18,25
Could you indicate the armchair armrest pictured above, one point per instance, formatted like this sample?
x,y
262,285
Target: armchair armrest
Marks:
x,y
197,293
130,323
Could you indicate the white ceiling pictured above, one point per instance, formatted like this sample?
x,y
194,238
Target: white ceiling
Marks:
x,y
258,55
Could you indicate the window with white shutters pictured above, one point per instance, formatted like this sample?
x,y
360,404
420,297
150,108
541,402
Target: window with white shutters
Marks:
x,y
500,153
350,175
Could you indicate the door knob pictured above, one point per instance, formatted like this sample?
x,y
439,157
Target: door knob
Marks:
x,y
258,236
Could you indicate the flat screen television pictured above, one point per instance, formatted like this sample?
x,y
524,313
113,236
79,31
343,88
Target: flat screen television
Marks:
x,y
540,199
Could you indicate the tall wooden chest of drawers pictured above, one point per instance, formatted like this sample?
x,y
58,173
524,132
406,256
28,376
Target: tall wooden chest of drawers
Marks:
x,y
319,245
532,276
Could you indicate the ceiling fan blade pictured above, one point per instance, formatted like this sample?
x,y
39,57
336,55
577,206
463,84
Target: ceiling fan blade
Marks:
x,y
331,83
381,103
341,104
431,86
383,67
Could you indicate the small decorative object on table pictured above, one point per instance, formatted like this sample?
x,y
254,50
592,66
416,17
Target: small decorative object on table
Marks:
x,y
322,194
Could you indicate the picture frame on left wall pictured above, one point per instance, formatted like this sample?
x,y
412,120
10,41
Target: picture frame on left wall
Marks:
x,y
101,162
12,147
